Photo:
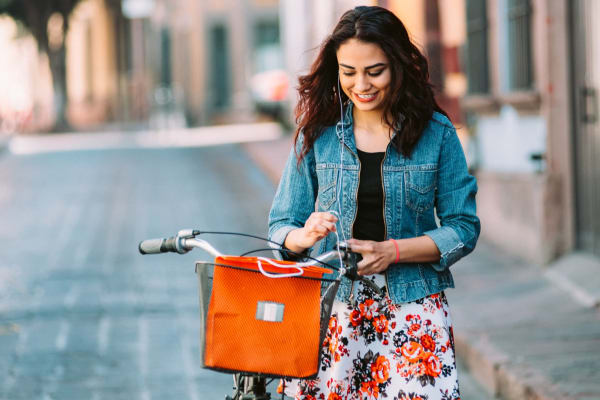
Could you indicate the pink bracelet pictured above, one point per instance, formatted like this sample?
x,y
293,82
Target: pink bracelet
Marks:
x,y
397,251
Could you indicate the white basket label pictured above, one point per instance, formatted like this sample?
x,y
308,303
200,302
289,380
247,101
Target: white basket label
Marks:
x,y
269,311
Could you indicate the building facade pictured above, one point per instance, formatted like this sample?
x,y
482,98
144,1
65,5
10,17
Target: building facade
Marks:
x,y
532,79
216,48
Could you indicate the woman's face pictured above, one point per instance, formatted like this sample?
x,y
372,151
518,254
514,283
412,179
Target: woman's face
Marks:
x,y
365,74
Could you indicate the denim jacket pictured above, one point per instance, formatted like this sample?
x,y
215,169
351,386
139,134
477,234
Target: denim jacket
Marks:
x,y
433,181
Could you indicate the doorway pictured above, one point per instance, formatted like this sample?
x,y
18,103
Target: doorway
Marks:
x,y
586,73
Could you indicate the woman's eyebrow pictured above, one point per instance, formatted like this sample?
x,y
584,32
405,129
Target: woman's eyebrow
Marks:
x,y
369,67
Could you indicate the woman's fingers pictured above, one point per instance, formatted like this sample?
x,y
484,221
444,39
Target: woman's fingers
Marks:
x,y
374,257
321,222
329,217
360,246
324,217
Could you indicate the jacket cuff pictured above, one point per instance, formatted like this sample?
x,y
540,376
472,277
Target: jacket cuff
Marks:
x,y
448,243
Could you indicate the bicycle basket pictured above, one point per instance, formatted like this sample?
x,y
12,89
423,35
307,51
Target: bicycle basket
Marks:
x,y
264,325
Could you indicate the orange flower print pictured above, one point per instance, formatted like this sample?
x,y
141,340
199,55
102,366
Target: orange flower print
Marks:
x,y
412,351
414,328
368,308
428,342
370,388
380,324
355,318
333,324
334,396
432,364
380,369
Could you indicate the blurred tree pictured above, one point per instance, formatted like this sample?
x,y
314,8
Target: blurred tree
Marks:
x,y
48,22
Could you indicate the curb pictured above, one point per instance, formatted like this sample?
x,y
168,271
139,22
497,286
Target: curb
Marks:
x,y
501,377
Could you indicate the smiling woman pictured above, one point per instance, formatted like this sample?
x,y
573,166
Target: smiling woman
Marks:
x,y
378,159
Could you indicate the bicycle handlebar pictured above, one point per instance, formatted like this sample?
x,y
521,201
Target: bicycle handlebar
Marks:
x,y
186,240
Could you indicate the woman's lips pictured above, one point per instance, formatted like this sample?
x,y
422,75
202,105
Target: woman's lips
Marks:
x,y
365,98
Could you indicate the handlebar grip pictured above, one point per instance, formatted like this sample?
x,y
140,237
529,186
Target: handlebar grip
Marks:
x,y
157,246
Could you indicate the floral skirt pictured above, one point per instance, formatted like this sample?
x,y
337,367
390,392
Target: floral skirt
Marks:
x,y
377,349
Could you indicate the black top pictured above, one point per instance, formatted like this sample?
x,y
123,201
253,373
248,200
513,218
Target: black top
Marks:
x,y
369,223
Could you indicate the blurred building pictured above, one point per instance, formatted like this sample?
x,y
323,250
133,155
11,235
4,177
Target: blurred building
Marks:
x,y
97,81
533,73
216,48
186,62
25,81
164,63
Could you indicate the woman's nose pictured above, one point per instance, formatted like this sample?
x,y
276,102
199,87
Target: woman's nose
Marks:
x,y
362,83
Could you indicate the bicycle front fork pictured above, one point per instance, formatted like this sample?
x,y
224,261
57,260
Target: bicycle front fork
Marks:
x,y
250,387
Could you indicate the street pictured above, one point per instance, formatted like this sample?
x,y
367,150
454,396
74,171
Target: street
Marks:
x,y
82,314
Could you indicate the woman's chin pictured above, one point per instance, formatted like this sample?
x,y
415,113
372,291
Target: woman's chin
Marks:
x,y
366,107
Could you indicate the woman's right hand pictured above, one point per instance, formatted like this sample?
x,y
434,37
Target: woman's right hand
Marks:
x,y
317,226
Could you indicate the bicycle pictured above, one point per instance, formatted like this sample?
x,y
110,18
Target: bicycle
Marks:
x,y
248,385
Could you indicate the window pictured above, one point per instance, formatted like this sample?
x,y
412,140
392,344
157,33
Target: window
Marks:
x,y
477,47
520,70
267,50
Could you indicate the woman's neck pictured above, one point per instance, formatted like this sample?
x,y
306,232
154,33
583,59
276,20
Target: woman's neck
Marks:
x,y
371,133
366,118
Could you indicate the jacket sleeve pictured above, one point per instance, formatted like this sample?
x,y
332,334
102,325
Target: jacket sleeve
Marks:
x,y
295,197
455,204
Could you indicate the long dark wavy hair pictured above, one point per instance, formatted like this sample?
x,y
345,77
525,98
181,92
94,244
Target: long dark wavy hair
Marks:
x,y
411,93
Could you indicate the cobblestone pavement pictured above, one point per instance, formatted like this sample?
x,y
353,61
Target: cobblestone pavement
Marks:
x,y
82,314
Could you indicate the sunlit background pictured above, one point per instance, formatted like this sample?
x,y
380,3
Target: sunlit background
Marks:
x,y
518,78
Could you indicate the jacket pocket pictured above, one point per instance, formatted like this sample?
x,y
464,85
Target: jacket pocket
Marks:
x,y
327,177
420,184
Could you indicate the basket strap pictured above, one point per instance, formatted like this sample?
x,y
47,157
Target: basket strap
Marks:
x,y
273,263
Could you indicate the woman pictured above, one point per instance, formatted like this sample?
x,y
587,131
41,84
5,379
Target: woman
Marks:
x,y
374,148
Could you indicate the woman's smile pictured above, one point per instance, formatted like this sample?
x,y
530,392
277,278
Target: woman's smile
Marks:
x,y
365,98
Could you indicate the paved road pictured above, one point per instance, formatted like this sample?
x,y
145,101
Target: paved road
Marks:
x,y
82,314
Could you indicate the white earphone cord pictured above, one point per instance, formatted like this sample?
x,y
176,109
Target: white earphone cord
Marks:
x,y
340,190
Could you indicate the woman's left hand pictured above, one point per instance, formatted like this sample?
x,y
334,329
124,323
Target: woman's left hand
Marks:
x,y
377,256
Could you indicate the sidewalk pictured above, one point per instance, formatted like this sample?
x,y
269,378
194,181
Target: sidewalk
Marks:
x,y
4,139
521,333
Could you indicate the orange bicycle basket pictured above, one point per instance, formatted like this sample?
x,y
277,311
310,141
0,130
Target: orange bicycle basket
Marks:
x,y
263,325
